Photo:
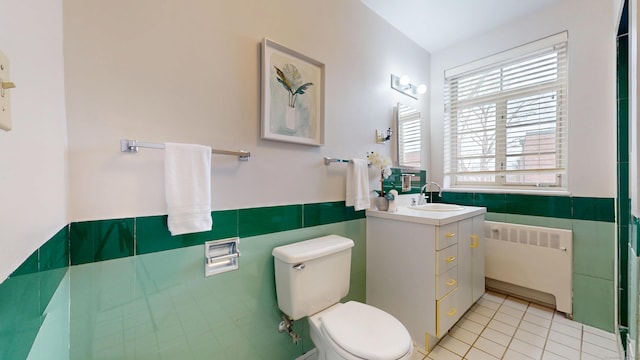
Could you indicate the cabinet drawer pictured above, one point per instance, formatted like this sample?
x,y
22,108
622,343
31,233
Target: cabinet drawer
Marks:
x,y
446,236
447,313
446,259
446,282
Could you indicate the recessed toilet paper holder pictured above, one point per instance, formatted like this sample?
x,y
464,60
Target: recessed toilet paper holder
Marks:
x,y
221,256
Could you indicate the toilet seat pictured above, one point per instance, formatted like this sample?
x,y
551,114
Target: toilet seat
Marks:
x,y
365,332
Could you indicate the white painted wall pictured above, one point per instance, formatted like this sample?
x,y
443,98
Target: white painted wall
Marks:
x,y
189,72
33,191
592,28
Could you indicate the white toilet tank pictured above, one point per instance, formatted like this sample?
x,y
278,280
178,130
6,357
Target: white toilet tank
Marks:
x,y
312,275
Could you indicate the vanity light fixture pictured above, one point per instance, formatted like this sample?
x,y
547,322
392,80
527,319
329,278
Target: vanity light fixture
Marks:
x,y
403,84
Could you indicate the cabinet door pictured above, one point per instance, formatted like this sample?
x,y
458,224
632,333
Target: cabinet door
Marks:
x,y
465,266
477,253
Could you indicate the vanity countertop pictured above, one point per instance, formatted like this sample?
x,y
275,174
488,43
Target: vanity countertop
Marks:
x,y
436,218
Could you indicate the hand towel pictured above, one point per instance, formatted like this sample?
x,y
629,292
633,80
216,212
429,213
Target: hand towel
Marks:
x,y
358,184
187,176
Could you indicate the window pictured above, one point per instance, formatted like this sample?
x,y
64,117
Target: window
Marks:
x,y
506,118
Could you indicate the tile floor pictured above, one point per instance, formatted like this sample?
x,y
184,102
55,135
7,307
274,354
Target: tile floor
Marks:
x,y
502,327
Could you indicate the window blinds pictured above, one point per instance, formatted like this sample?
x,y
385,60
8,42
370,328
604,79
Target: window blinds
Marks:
x,y
506,119
409,136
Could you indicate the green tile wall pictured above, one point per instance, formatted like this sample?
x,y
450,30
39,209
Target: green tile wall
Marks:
x,y
623,191
159,305
152,234
92,241
394,181
25,295
87,244
563,207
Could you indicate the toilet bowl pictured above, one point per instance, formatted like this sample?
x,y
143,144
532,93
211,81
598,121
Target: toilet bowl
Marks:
x,y
356,331
312,277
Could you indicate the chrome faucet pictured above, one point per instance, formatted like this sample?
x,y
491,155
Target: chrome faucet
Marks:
x,y
424,189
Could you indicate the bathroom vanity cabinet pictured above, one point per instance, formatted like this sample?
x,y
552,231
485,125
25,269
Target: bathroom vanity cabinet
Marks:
x,y
426,268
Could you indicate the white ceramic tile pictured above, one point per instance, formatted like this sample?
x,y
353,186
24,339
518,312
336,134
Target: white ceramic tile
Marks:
x,y
537,320
417,355
440,353
488,303
534,329
469,325
586,356
502,327
516,303
516,313
463,335
514,355
564,339
526,349
485,311
493,296
541,311
490,347
598,351
480,319
454,345
551,356
416,348
476,354
567,330
496,336
599,332
562,350
560,318
530,338
606,343
507,319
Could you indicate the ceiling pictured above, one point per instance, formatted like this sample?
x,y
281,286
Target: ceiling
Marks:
x,y
436,24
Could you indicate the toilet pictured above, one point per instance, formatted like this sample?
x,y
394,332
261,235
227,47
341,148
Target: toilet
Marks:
x,y
311,278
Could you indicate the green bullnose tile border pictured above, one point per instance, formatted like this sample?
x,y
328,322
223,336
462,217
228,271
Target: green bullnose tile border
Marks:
x,y
152,234
565,207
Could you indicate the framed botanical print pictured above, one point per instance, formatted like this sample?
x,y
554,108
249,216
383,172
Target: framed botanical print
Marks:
x,y
292,96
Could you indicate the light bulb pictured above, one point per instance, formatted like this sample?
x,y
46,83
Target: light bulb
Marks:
x,y
422,88
404,80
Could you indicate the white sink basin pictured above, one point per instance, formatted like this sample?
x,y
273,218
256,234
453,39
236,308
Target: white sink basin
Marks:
x,y
437,207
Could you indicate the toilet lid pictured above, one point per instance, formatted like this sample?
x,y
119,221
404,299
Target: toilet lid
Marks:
x,y
367,332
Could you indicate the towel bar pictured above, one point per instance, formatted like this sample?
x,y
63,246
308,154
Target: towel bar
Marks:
x,y
131,146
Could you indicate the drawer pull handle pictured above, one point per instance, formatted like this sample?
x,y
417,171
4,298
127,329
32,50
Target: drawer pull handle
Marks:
x,y
451,282
450,259
452,312
474,243
449,235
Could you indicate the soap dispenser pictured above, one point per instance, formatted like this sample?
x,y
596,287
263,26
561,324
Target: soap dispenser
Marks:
x,y
393,200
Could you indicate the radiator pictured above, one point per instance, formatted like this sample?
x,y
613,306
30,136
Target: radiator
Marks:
x,y
530,258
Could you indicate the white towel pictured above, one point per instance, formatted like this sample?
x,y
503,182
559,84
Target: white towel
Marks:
x,y
187,176
358,184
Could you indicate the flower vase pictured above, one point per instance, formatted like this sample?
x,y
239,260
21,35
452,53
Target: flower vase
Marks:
x,y
290,117
382,203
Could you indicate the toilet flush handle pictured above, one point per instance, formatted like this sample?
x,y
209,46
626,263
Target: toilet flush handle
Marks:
x,y
299,266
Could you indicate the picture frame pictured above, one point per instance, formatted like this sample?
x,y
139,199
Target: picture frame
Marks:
x,y
292,96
